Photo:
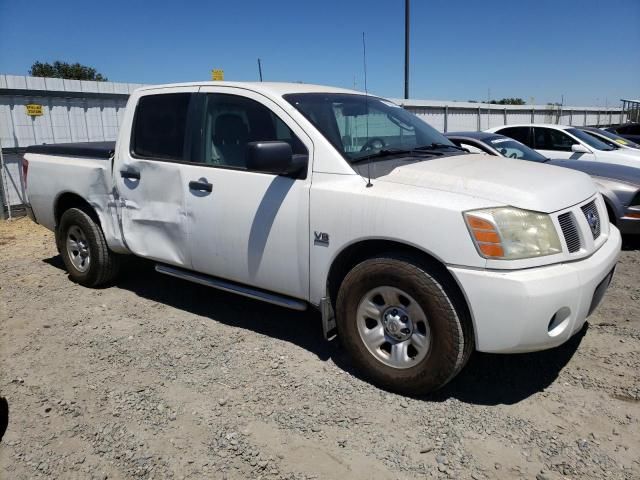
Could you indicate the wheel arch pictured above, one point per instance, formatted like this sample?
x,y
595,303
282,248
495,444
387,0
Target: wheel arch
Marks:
x,y
362,250
66,200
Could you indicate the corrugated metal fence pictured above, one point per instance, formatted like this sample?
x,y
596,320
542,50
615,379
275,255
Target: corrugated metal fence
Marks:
x,y
71,111
465,116
81,111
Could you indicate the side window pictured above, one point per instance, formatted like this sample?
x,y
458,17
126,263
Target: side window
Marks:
x,y
231,121
159,126
521,134
550,139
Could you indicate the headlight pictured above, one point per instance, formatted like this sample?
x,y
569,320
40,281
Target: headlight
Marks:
x,y
509,233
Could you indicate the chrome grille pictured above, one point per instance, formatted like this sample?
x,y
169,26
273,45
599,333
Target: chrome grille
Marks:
x,y
590,211
570,231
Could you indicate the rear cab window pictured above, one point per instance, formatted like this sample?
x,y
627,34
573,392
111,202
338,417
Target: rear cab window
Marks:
x,y
160,125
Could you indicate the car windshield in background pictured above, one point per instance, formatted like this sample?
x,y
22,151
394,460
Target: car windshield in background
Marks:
x,y
590,140
513,149
360,127
616,139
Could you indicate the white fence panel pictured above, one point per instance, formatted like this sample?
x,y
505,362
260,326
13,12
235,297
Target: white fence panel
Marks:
x,y
93,116
545,116
433,116
110,121
462,120
515,117
77,120
60,120
24,133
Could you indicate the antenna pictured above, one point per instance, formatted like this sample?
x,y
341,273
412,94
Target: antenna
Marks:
x,y
366,105
260,69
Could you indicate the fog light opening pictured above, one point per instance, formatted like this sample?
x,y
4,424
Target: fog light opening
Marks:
x,y
559,322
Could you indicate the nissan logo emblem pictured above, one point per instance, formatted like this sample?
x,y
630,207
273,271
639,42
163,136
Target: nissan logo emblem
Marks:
x,y
593,221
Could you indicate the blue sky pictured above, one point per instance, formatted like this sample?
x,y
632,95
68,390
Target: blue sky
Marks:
x,y
586,50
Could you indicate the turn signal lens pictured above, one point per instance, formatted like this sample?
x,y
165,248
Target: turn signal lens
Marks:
x,y
491,250
486,237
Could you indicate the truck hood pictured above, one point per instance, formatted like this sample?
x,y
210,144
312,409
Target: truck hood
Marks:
x,y
522,184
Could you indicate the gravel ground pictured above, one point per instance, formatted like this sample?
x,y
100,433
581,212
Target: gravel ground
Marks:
x,y
158,378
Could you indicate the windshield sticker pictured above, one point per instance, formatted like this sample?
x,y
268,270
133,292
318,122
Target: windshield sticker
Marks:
x,y
620,141
500,140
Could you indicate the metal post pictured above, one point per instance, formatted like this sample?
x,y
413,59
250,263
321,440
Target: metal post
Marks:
x,y
533,115
406,49
446,118
609,117
505,116
570,117
598,119
479,116
4,198
585,118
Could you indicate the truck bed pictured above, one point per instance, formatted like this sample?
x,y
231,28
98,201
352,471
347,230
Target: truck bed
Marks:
x,y
95,150
71,172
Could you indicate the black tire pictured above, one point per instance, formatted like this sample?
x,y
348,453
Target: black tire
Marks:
x,y
104,264
452,340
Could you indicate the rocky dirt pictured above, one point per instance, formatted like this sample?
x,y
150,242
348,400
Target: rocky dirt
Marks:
x,y
158,378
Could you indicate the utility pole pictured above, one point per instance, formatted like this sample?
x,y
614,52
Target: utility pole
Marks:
x,y
406,49
260,69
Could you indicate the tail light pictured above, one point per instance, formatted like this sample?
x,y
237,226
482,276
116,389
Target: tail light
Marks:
x,y
25,170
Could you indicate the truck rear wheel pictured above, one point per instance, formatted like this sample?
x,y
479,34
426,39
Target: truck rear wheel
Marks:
x,y
84,249
400,325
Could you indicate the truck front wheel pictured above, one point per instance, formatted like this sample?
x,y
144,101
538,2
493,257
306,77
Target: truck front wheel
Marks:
x,y
400,325
84,249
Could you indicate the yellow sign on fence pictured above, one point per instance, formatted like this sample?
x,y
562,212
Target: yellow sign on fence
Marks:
x,y
217,74
34,109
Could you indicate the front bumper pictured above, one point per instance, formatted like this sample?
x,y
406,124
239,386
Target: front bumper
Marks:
x,y
536,308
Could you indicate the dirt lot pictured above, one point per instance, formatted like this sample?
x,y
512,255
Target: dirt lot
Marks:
x,y
158,378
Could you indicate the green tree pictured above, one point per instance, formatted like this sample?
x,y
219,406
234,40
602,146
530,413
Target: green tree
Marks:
x,y
509,101
71,71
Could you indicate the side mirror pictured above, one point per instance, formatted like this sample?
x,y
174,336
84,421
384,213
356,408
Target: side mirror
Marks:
x,y
275,157
579,148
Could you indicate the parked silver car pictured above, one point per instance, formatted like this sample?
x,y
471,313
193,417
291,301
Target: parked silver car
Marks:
x,y
619,185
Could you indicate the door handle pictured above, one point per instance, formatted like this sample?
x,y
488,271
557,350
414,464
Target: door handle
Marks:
x,y
130,174
200,186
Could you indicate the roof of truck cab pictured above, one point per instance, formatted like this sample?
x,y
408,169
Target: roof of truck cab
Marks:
x,y
273,88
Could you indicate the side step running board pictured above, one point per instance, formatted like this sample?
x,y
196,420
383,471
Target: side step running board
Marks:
x,y
244,290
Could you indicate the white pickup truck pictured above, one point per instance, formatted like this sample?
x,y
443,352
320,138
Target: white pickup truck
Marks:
x,y
415,252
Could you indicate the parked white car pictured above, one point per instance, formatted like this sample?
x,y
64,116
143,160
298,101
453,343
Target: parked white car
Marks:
x,y
415,252
565,142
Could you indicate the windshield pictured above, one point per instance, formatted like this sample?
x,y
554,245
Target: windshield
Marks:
x,y
615,139
359,125
590,140
507,147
